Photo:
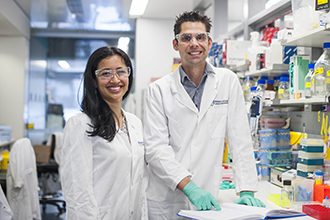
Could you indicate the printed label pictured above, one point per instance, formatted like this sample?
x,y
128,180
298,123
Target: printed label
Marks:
x,y
307,85
318,71
321,2
327,80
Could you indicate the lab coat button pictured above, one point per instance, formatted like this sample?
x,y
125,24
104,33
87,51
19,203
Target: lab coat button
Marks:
x,y
132,212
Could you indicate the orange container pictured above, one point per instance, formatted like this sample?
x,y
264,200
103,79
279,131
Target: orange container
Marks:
x,y
320,192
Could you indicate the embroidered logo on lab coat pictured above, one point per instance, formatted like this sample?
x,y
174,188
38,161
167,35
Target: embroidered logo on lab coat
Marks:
x,y
219,102
140,143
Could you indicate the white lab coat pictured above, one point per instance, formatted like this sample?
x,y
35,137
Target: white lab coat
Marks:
x,y
101,179
181,141
22,182
5,210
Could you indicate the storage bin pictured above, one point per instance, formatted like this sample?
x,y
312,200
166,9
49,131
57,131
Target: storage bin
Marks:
x,y
303,189
268,139
283,139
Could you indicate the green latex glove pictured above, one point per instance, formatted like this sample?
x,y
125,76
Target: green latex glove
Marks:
x,y
247,198
200,198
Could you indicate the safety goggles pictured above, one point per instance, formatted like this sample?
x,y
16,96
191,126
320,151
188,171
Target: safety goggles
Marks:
x,y
187,38
107,74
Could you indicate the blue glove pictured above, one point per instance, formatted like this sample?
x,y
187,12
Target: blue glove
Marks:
x,y
202,199
247,198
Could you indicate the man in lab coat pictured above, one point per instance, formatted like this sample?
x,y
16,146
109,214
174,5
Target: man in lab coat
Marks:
x,y
188,115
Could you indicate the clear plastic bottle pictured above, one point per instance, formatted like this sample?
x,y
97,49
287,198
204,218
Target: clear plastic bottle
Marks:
x,y
283,92
318,177
309,81
261,87
287,194
276,82
322,72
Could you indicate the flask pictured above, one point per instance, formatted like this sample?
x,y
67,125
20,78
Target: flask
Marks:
x,y
318,177
270,90
286,194
283,92
261,87
309,81
322,72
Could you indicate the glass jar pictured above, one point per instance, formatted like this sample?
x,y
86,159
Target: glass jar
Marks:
x,y
270,90
283,92
309,81
286,194
322,71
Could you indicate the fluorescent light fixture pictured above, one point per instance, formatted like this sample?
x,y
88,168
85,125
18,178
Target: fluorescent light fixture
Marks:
x,y
138,7
64,64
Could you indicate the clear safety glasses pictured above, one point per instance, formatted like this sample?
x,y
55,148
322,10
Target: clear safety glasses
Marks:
x,y
107,74
187,38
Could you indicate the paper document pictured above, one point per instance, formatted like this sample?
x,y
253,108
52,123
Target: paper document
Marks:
x,y
231,211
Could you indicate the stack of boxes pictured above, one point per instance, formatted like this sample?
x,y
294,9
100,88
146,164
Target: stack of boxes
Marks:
x,y
310,156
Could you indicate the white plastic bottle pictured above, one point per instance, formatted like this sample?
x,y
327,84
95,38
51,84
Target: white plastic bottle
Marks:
x,y
322,72
254,50
287,194
309,81
283,87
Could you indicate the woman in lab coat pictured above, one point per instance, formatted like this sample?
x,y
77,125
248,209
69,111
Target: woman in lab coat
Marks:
x,y
102,167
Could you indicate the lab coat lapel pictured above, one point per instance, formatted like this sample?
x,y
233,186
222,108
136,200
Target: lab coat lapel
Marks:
x,y
209,94
180,93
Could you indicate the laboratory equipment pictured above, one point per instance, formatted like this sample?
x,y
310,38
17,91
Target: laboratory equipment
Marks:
x,y
309,87
255,113
286,194
322,70
283,92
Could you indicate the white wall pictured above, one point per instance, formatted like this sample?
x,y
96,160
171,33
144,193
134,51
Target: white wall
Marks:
x,y
154,54
14,57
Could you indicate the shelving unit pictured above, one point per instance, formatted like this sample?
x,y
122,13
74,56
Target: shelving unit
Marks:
x,y
313,38
302,101
276,70
244,66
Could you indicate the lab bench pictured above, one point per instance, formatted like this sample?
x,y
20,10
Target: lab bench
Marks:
x,y
264,188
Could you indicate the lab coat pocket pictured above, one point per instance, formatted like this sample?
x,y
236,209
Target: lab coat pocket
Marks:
x,y
217,121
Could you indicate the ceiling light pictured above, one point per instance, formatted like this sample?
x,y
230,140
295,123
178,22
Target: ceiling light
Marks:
x,y
138,7
64,64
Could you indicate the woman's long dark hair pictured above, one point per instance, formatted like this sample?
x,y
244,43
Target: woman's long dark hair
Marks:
x,y
102,117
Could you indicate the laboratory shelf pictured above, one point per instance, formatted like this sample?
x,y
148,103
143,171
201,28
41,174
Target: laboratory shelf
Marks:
x,y
243,66
313,38
276,70
302,101
6,143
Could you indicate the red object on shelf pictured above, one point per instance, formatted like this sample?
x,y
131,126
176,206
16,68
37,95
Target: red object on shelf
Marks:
x,y
317,211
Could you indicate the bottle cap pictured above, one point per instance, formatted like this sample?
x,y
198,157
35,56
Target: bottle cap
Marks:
x,y
261,81
326,44
285,75
250,78
319,173
286,182
264,77
270,81
284,79
253,88
311,65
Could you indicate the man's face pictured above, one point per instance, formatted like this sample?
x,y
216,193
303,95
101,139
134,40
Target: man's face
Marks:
x,y
193,53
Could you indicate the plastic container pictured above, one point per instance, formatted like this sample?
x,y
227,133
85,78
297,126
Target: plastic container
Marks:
x,y
318,177
308,168
283,92
310,155
321,192
271,122
322,71
309,86
303,189
307,161
267,139
286,194
317,211
283,139
311,145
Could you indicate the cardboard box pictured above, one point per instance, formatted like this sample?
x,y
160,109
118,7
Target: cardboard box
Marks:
x,y
42,153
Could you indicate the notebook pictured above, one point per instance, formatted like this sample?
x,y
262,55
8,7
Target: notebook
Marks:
x,y
231,211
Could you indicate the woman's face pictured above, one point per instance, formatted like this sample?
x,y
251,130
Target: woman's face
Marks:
x,y
112,87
